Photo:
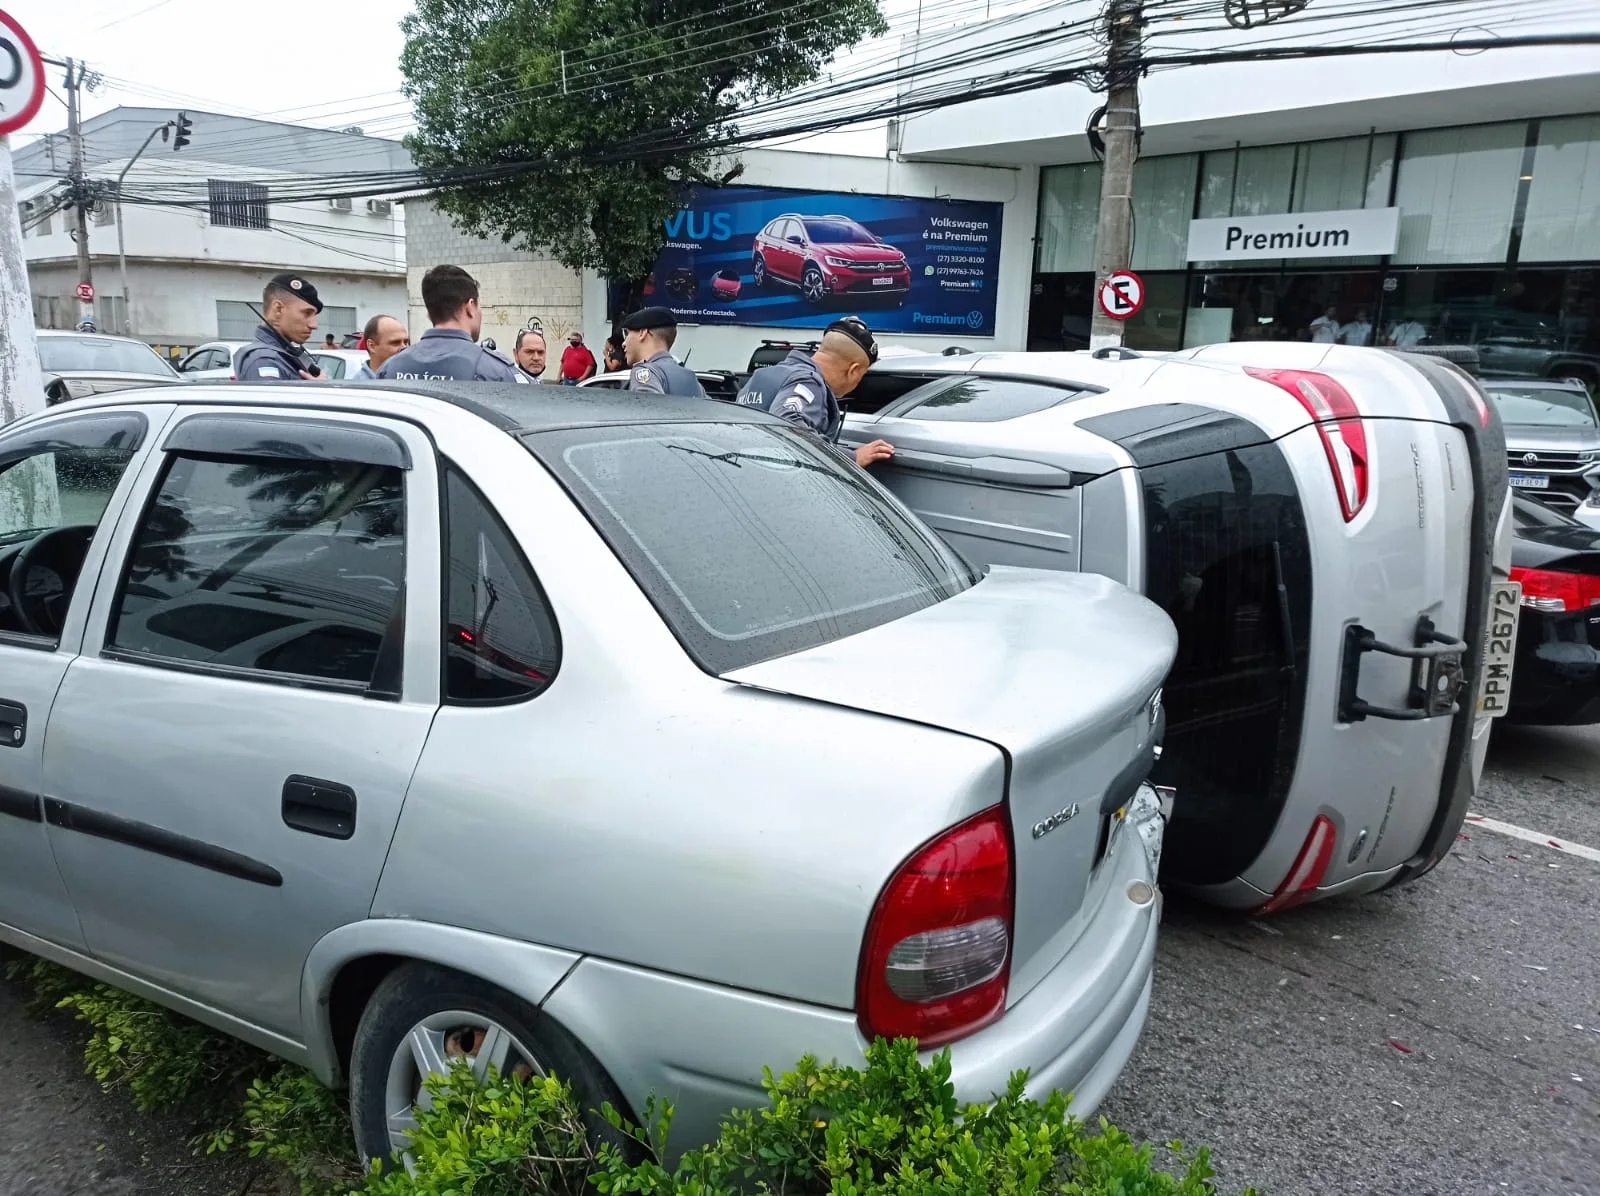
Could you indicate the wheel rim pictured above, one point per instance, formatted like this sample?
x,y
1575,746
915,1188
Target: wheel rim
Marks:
x,y
761,273
430,1048
814,287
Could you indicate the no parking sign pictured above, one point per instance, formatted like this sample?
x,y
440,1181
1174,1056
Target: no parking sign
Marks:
x,y
1122,295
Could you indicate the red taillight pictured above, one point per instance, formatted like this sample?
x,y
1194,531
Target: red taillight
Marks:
x,y
1554,593
1309,867
1344,436
937,955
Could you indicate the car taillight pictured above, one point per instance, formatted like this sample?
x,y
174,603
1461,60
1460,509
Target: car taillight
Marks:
x,y
937,956
1344,436
1555,592
1309,868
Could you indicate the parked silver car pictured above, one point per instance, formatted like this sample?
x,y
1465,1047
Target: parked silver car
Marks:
x,y
1552,438
642,740
78,364
1327,526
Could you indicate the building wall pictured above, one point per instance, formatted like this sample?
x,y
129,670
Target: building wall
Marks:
x,y
175,303
515,287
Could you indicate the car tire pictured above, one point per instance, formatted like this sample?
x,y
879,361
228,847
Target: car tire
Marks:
x,y
812,287
762,279
413,994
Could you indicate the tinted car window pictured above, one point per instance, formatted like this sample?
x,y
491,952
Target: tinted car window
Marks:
x,y
75,354
283,566
838,231
1544,405
753,541
1532,514
980,400
500,640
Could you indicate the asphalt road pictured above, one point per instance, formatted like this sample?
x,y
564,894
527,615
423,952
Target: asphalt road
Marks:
x,y
1443,1040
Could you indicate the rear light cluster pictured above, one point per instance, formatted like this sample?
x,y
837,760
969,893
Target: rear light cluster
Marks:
x,y
1309,868
1344,436
1553,592
936,961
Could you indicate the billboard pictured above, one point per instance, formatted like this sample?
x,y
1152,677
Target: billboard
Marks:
x,y
801,259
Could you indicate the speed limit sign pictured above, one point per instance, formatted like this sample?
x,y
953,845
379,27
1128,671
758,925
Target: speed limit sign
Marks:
x,y
1122,295
21,76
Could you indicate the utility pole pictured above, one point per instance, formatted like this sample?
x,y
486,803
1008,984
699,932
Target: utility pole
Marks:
x,y
1114,247
182,124
78,185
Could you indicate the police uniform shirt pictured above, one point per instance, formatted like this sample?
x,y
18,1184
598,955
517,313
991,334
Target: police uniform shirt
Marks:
x,y
442,354
270,355
793,389
662,375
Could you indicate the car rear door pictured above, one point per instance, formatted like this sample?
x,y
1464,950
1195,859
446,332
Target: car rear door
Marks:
x,y
56,476
227,759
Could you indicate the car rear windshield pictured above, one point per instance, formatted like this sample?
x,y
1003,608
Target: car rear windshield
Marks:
x,y
1544,405
752,540
77,354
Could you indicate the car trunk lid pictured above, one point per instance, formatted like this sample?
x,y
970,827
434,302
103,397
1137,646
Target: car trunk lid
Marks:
x,y
1058,671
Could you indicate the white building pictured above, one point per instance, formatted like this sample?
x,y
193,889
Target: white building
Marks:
x,y
196,262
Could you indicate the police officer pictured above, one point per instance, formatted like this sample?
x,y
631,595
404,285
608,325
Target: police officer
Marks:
x,y
646,340
450,348
289,310
806,389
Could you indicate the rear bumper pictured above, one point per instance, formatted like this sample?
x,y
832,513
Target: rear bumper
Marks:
x,y
1556,681
703,1046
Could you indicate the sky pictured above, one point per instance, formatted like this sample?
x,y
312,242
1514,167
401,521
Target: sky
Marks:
x,y
330,65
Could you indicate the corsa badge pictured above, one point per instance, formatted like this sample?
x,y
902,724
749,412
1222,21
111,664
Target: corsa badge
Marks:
x,y
1059,818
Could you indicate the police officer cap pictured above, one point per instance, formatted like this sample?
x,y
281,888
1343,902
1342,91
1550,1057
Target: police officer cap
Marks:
x,y
647,318
856,329
298,287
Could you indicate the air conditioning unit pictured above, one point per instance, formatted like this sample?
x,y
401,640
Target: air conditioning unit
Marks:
x,y
379,207
339,205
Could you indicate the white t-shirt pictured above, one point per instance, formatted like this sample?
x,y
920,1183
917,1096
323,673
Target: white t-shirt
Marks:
x,y
1324,330
1408,334
1357,332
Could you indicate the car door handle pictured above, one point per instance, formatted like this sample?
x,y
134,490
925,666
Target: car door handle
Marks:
x,y
13,724
324,808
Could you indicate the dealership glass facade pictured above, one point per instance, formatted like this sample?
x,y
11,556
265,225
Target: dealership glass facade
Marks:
x,y
1498,247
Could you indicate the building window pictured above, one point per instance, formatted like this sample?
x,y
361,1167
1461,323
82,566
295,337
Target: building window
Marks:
x,y
1163,203
1458,192
1563,218
238,205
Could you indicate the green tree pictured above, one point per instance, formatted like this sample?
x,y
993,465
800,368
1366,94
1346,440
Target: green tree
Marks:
x,y
571,86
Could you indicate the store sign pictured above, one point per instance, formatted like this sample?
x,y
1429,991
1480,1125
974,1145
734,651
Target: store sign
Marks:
x,y
801,259
1360,233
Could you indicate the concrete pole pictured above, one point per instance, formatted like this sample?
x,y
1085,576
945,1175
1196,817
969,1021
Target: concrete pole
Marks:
x,y
80,190
1114,246
28,495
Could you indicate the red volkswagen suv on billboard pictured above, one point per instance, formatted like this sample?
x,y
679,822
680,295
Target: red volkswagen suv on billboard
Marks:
x,y
828,255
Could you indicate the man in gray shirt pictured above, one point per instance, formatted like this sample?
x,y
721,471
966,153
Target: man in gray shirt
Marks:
x,y
450,349
647,342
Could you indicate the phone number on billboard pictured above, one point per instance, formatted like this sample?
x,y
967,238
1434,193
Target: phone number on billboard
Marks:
x,y
952,259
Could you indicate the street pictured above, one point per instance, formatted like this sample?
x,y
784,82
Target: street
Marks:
x,y
1443,1039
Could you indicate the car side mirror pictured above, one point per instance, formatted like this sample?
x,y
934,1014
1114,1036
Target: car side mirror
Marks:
x,y
794,240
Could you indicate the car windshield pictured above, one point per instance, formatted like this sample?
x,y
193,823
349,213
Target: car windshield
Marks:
x,y
80,354
752,540
1553,405
838,232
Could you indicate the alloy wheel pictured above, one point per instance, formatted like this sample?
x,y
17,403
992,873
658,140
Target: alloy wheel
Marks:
x,y
431,1047
812,286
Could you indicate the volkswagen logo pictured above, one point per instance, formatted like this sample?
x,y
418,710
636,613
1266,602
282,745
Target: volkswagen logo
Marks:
x,y
1530,458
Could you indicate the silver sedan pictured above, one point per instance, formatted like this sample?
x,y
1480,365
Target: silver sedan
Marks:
x,y
645,742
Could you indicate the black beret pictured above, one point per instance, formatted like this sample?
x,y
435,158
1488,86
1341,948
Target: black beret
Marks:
x,y
298,287
650,317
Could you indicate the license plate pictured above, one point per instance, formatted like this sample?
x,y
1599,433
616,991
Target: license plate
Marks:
x,y
1530,481
883,282
1494,696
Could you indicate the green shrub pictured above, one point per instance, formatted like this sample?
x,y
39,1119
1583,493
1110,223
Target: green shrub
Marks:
x,y
293,1119
892,1129
162,1058
48,983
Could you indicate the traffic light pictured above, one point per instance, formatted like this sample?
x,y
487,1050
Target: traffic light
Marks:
x,y
185,126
